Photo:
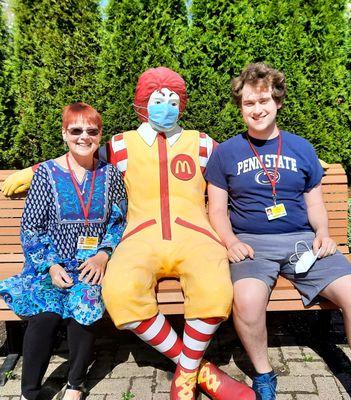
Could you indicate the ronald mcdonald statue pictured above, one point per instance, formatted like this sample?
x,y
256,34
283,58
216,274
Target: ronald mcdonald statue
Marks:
x,y
168,235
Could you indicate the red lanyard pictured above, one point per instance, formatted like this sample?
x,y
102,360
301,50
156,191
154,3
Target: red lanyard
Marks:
x,y
273,180
85,208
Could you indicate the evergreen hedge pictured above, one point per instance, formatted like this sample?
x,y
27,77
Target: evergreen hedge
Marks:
x,y
56,45
137,35
64,51
6,97
309,41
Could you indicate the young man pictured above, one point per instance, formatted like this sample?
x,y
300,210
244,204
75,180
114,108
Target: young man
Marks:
x,y
273,181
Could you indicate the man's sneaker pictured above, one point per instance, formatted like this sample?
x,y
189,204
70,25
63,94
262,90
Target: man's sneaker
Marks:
x,y
265,385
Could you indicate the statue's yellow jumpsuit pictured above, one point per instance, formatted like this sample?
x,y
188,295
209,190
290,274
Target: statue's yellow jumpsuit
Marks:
x,y
168,234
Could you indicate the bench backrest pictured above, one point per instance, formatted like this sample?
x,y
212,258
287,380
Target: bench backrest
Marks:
x,y
335,194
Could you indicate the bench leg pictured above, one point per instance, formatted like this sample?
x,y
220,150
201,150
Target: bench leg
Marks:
x,y
323,325
14,334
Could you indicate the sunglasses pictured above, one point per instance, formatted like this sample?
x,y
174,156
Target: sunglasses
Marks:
x,y
79,131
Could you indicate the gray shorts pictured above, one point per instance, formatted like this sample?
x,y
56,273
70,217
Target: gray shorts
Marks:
x,y
272,253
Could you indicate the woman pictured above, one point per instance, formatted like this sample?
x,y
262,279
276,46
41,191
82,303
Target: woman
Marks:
x,y
73,218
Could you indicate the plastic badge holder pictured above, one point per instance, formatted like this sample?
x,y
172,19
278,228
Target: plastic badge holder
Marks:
x,y
305,262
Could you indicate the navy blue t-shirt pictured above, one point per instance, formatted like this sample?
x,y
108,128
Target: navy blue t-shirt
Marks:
x,y
234,167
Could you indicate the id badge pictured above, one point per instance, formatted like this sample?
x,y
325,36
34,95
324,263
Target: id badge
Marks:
x,y
276,211
87,242
86,247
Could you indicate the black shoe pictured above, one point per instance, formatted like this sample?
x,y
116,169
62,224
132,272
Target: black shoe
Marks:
x,y
80,388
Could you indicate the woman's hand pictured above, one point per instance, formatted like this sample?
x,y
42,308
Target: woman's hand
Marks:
x,y
59,277
93,269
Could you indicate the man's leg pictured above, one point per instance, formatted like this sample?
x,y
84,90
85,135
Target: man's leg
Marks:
x,y
249,315
339,292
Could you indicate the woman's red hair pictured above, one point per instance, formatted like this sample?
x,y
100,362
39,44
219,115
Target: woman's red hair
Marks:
x,y
156,79
88,113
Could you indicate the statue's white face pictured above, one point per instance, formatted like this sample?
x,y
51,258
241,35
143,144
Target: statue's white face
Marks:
x,y
164,96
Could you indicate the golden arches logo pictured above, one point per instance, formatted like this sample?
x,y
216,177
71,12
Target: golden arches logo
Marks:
x,y
183,167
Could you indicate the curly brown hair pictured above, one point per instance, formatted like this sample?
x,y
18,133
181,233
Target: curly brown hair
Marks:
x,y
263,75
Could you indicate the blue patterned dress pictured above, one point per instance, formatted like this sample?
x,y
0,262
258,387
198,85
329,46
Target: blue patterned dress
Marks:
x,y
52,221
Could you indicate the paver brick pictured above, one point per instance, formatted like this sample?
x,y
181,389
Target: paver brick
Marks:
x,y
296,384
109,386
303,368
292,352
142,388
163,381
129,370
327,388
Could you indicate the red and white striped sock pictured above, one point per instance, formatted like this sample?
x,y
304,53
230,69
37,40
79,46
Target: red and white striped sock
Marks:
x,y
159,334
197,336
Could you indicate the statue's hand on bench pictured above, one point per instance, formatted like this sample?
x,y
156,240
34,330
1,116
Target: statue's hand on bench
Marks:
x,y
18,182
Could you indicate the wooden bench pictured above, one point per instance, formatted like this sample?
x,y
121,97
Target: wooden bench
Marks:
x,y
169,295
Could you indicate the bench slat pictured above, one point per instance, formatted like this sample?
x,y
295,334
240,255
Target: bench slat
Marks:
x,y
8,213
10,222
10,248
335,197
11,258
10,239
329,188
334,179
11,204
297,305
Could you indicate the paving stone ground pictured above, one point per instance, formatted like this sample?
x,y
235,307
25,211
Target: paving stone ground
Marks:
x,y
312,361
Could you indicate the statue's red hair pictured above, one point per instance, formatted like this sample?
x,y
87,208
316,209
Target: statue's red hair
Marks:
x,y
156,79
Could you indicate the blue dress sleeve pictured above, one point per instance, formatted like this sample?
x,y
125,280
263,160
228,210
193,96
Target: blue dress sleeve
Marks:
x,y
39,251
117,221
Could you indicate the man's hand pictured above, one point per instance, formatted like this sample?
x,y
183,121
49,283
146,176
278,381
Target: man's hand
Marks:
x,y
59,277
93,269
18,182
326,244
238,251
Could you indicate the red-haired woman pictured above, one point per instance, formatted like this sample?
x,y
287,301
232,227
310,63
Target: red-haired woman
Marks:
x,y
73,219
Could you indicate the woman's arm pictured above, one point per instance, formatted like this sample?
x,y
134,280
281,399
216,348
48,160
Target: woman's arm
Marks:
x,y
93,269
38,249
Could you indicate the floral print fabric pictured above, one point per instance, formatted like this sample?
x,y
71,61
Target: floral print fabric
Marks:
x,y
51,223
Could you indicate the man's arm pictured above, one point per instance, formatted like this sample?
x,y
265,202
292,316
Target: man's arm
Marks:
x,y
318,218
218,214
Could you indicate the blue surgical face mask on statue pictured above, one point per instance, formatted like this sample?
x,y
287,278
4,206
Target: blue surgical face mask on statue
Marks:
x,y
163,116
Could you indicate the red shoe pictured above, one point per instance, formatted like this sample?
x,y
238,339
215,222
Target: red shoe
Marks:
x,y
221,386
183,385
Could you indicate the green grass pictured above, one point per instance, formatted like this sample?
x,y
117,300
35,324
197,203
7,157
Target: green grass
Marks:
x,y
128,396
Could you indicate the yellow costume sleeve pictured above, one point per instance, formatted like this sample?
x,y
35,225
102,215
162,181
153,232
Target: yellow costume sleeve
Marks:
x,y
18,182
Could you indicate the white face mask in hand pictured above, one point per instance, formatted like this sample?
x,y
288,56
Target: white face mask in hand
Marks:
x,y
305,259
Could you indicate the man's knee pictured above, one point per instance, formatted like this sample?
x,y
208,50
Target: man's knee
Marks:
x,y
250,299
